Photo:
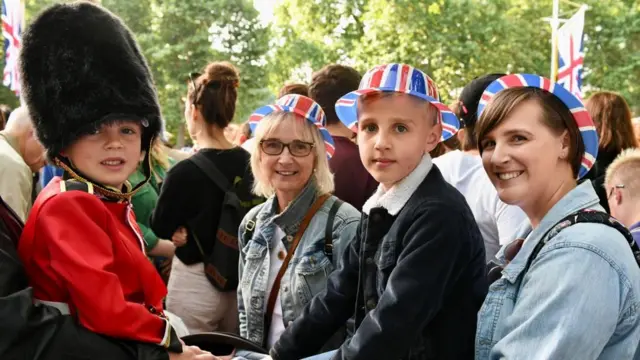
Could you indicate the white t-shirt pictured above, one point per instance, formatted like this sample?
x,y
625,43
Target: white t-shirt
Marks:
x,y
277,322
498,222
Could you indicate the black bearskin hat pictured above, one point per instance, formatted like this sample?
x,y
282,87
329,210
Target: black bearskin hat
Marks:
x,y
80,67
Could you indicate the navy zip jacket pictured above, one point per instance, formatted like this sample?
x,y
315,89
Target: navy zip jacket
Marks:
x,y
415,282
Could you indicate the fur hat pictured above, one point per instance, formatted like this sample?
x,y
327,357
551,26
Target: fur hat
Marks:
x,y
80,67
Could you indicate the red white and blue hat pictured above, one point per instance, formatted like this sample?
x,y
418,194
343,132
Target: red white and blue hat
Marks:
x,y
300,105
399,78
573,103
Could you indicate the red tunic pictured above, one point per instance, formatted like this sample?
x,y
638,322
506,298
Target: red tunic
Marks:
x,y
87,252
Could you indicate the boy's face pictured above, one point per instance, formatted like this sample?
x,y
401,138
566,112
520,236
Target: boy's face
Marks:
x,y
110,155
392,131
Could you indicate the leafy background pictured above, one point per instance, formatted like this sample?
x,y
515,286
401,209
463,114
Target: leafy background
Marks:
x,y
452,40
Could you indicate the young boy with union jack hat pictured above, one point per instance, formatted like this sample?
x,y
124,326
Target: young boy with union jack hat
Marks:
x,y
415,272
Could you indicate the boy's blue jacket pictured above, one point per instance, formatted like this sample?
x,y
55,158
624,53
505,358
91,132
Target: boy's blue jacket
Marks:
x,y
415,281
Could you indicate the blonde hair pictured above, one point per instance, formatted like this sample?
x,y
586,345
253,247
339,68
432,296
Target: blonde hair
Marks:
x,y
321,175
159,154
431,113
626,169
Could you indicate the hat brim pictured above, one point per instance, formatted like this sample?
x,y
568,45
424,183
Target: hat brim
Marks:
x,y
260,113
347,110
572,102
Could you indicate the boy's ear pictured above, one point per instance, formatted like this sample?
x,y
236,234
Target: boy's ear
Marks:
x,y
433,137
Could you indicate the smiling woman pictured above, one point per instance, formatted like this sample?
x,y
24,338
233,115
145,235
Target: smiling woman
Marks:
x,y
291,243
536,139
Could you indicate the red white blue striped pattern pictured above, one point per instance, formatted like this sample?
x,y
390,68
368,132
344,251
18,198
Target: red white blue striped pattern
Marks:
x,y
573,103
399,78
12,19
300,105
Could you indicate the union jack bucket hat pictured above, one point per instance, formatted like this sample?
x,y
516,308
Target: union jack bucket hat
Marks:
x,y
398,78
572,102
302,106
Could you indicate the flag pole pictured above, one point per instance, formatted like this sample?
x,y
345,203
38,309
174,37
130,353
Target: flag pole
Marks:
x,y
554,40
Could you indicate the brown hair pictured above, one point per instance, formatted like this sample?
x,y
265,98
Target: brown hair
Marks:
x,y
5,111
329,84
612,117
215,93
555,116
299,89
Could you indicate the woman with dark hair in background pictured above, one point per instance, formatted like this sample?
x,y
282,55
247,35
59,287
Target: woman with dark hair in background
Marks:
x,y
189,205
612,118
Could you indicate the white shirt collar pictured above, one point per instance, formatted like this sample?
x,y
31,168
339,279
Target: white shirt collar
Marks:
x,y
395,198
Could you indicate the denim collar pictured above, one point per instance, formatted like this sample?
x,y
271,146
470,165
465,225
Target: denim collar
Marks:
x,y
581,197
289,220
394,199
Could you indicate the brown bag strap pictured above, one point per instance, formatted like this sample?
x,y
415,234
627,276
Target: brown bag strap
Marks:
x,y
273,295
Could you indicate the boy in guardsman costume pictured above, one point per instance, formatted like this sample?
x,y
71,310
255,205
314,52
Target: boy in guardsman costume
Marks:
x,y
90,94
415,274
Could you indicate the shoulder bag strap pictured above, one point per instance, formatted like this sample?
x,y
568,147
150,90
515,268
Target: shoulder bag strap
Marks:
x,y
328,230
273,295
211,170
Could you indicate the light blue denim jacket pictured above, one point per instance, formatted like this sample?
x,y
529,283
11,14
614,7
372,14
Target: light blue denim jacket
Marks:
x,y
578,300
309,267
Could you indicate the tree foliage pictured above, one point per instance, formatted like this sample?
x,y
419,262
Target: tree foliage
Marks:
x,y
452,40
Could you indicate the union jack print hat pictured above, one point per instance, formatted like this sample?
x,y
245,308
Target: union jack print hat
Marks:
x,y
300,105
572,102
399,78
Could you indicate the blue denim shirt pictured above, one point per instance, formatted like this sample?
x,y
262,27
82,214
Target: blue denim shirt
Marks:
x,y
578,300
309,267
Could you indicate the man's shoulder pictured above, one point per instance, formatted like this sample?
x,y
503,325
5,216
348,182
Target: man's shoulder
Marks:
x,y
9,157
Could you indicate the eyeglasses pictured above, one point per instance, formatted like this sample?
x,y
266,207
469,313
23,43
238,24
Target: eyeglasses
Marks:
x,y
296,148
619,186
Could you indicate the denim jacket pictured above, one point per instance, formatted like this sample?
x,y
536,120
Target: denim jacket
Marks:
x,y
578,300
309,267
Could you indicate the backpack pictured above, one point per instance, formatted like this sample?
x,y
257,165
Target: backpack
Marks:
x,y
494,270
221,264
250,227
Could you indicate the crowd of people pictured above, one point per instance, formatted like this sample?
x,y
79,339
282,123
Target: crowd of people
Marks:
x,y
356,217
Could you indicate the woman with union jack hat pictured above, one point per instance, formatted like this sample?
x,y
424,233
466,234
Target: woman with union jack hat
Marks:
x,y
568,286
293,242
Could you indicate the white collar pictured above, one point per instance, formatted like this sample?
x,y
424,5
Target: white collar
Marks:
x,y
395,198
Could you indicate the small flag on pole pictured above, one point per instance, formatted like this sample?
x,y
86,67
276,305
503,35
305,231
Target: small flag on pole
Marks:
x,y
12,22
571,53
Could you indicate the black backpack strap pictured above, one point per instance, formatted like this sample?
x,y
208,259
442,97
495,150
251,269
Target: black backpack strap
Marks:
x,y
586,216
211,170
249,229
328,230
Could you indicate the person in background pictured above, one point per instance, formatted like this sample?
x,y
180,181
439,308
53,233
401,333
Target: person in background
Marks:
x,y
612,118
353,183
190,203
498,222
48,172
144,202
292,172
622,184
5,112
636,128
299,89
564,291
21,156
451,144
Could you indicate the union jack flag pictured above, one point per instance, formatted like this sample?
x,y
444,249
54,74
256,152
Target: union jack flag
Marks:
x,y
571,53
12,22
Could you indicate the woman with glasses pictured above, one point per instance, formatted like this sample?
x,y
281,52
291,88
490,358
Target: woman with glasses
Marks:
x,y
189,205
569,286
292,242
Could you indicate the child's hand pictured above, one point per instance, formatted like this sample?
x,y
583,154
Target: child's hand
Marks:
x,y
179,237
